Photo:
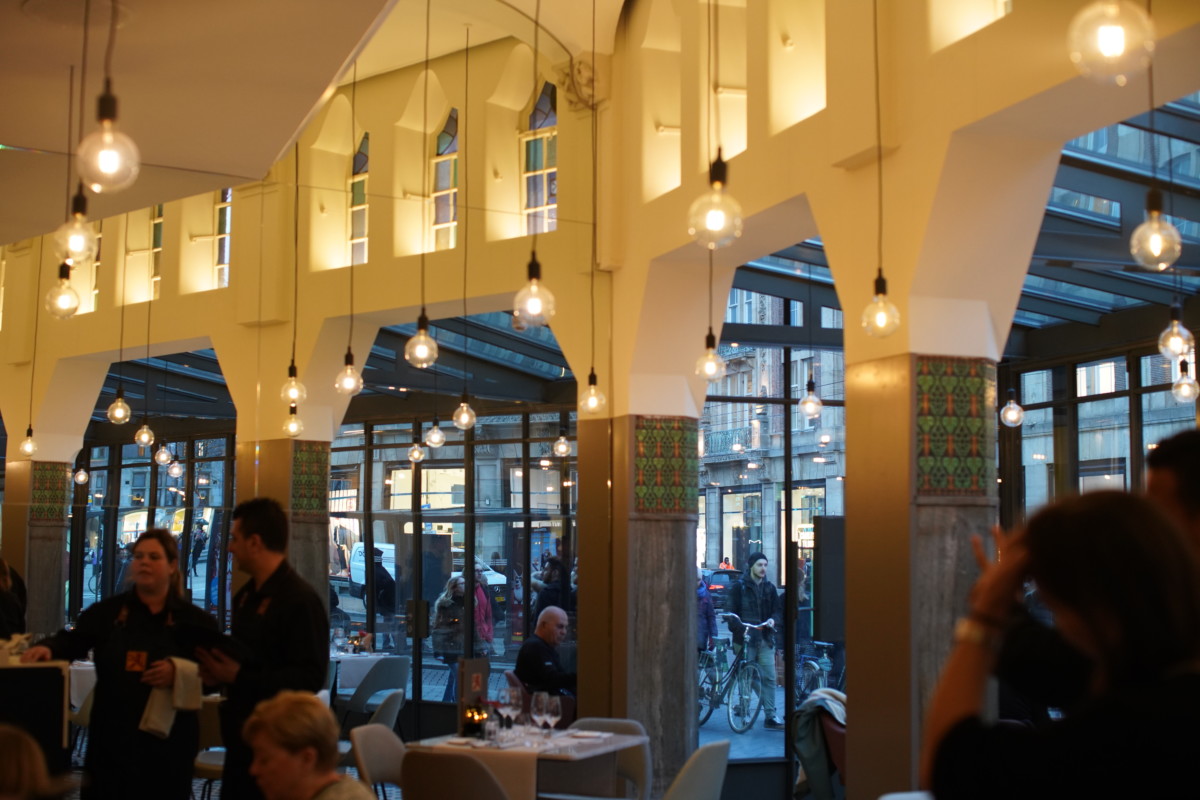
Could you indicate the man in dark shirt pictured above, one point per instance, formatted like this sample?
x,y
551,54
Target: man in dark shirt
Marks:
x,y
282,625
755,600
538,666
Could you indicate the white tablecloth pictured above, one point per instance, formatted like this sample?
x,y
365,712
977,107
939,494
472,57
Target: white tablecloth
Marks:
x,y
352,667
83,680
515,768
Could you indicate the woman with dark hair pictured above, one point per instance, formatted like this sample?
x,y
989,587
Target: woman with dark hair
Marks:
x,y
12,611
1123,585
137,639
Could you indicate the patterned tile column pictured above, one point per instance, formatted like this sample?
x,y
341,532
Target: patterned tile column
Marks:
x,y
49,499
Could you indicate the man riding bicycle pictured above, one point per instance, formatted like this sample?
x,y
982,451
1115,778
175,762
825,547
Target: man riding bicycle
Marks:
x,y
755,600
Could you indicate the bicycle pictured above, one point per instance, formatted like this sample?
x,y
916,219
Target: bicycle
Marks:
x,y
739,682
815,671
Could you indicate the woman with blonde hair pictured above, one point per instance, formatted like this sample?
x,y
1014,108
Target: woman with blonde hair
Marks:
x,y
137,637
295,742
22,766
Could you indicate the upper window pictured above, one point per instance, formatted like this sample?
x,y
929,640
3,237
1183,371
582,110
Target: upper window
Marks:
x,y
3,268
540,165
156,227
224,212
445,186
358,202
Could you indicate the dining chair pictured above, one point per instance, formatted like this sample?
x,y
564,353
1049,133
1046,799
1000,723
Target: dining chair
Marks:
x,y
209,763
80,720
447,776
386,674
632,763
385,715
703,776
378,755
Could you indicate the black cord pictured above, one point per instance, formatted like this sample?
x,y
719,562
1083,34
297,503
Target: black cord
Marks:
x,y
424,159
296,252
87,15
462,195
36,320
537,27
353,155
595,190
878,135
716,77
112,40
70,133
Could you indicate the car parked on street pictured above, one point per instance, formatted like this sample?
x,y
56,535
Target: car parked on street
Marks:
x,y
719,583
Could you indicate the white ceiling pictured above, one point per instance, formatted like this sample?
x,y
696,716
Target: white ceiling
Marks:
x,y
214,91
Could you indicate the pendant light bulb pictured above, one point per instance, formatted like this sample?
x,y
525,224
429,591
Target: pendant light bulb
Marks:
x,y
1109,40
107,159
811,405
715,217
562,447
75,242
81,476
435,436
1155,244
464,415
118,409
421,351
880,318
293,390
534,303
416,454
348,382
144,436
62,301
1012,415
175,470
710,365
28,445
162,456
592,400
1175,341
293,426
1185,388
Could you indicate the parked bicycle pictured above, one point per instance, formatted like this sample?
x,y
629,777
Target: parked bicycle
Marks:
x,y
816,671
738,685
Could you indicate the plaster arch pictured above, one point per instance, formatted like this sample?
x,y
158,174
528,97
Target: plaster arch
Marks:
x,y
325,174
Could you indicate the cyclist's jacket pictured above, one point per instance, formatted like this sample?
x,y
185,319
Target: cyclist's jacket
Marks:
x,y
754,603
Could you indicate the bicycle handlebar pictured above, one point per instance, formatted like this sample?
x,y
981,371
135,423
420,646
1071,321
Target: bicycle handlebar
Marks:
x,y
728,615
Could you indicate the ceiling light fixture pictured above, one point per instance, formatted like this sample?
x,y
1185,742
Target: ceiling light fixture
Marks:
x,y
561,446
163,456
108,159
880,318
1109,40
293,391
293,426
421,351
416,454
1185,389
435,437
810,404
175,470
464,415
348,381
533,303
591,400
1012,415
710,364
81,476
1176,341
118,410
715,217
145,436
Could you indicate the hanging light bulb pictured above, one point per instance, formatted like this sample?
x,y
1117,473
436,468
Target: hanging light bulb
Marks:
x,y
1110,40
162,456
534,303
118,410
293,390
421,350
1155,244
75,242
710,365
1185,389
464,415
880,318
293,426
715,218
1175,340
1012,415
562,447
107,159
811,405
81,476
416,454
592,400
518,324
348,381
144,436
435,436
28,445
62,301
175,470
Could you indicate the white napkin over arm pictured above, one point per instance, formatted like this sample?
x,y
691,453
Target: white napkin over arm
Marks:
x,y
184,695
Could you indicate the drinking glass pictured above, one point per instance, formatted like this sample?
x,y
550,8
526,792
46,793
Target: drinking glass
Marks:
x,y
538,709
553,711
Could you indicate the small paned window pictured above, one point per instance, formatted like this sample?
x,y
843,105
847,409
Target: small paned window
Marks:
x,y
156,227
444,194
540,164
224,212
358,202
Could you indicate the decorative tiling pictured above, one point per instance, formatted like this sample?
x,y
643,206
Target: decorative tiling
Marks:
x,y
956,426
50,490
310,481
666,465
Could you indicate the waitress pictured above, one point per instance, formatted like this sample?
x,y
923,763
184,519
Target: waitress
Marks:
x,y
133,636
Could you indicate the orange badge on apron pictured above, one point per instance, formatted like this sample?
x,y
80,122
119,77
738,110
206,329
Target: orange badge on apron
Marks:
x,y
135,661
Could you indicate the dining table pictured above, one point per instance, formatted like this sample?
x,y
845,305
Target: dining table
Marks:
x,y
352,667
82,679
575,761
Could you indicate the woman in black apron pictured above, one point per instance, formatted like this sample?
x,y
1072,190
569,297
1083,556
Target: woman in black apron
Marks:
x,y
133,636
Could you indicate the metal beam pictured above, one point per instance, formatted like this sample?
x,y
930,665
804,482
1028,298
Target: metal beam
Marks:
x,y
1111,282
1052,308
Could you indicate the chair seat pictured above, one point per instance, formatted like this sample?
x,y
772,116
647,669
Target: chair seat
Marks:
x,y
345,753
209,765
377,699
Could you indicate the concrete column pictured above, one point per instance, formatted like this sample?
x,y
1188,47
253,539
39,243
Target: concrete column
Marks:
x,y
36,497
296,473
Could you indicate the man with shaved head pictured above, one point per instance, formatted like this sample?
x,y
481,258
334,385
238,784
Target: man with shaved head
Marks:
x,y
538,665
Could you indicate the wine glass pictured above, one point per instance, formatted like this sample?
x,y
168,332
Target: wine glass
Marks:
x,y
514,702
553,711
538,709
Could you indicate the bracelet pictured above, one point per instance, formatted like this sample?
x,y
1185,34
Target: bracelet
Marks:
x,y
972,631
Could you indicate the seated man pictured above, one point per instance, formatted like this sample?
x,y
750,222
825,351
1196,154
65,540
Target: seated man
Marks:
x,y
538,665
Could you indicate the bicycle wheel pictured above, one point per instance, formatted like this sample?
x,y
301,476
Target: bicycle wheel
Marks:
x,y
808,680
707,687
745,701
94,583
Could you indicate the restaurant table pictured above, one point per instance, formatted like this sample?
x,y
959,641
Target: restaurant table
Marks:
x,y
351,667
82,681
574,761
34,697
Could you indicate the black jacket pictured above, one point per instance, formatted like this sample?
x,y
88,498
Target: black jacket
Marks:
x,y
540,670
754,603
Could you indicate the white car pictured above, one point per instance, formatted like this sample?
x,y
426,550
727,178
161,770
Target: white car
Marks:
x,y
496,582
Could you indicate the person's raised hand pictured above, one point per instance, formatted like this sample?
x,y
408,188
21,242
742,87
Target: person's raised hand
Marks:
x,y
997,591
216,667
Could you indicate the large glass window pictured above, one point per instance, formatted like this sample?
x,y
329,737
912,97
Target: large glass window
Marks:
x,y
358,201
539,164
